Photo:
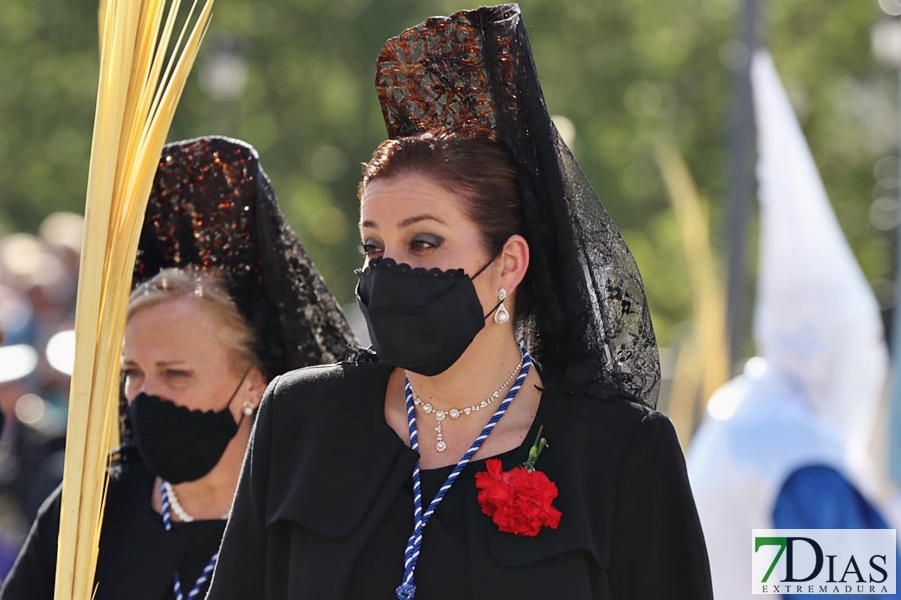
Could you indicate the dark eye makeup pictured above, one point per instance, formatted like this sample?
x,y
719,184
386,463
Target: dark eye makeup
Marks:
x,y
420,243
369,249
425,241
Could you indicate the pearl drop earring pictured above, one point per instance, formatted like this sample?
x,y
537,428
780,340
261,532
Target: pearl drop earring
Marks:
x,y
501,315
248,407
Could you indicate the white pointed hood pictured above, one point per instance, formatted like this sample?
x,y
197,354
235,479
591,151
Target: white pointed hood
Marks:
x,y
817,326
817,322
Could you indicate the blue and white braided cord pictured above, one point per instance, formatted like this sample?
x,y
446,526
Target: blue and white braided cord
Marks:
x,y
407,589
207,570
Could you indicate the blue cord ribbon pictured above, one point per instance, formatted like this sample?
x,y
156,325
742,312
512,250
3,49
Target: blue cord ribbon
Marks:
x,y
407,589
207,571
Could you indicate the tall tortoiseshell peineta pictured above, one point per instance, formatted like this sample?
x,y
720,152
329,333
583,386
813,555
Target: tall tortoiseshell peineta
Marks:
x,y
435,76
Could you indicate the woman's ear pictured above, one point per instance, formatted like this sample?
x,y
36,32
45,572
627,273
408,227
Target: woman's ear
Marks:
x,y
514,262
256,386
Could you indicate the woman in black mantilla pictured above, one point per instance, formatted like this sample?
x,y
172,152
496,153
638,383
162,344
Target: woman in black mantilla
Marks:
x,y
225,299
449,464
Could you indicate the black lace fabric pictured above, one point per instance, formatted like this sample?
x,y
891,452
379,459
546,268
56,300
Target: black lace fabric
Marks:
x,y
390,263
212,205
474,70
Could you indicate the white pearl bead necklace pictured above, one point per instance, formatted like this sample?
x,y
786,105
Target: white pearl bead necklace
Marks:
x,y
181,513
176,507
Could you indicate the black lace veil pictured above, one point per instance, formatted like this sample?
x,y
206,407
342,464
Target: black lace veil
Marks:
x,y
474,71
212,205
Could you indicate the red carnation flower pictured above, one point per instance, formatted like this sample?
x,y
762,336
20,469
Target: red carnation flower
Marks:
x,y
519,500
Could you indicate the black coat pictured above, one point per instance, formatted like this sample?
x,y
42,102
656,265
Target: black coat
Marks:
x,y
323,469
137,558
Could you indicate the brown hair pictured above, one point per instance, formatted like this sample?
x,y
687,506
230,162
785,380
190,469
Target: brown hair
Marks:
x,y
477,167
207,287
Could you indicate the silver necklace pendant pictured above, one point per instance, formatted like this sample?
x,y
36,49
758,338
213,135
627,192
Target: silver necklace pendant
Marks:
x,y
440,445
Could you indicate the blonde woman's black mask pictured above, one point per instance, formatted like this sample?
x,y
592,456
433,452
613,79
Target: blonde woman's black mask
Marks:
x,y
179,444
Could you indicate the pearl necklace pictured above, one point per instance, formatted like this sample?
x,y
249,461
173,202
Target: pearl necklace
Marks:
x,y
455,413
180,512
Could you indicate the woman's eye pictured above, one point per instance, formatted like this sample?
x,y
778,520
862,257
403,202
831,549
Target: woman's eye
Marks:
x,y
176,374
369,250
423,243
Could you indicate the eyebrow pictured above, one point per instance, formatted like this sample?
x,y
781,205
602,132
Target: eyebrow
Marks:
x,y
161,363
406,222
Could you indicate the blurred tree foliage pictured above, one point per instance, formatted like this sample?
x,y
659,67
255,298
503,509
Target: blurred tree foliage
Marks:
x,y
295,78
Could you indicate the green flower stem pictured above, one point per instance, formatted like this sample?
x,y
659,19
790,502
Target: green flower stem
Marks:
x,y
535,451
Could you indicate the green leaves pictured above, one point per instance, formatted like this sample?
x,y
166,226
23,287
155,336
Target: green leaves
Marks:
x,y
626,73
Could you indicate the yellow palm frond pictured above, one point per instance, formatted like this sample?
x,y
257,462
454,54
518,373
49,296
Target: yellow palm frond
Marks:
x,y
136,100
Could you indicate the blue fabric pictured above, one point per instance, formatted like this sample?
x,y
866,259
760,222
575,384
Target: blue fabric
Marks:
x,y
819,497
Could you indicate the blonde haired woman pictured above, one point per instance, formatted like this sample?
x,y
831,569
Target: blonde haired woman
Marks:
x,y
226,300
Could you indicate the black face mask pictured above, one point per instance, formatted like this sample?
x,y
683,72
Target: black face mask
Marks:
x,y
419,320
179,444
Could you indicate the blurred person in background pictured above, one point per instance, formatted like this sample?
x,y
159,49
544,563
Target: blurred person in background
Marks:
x,y
29,266
48,405
34,427
785,444
18,451
61,233
225,299
35,303
45,269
